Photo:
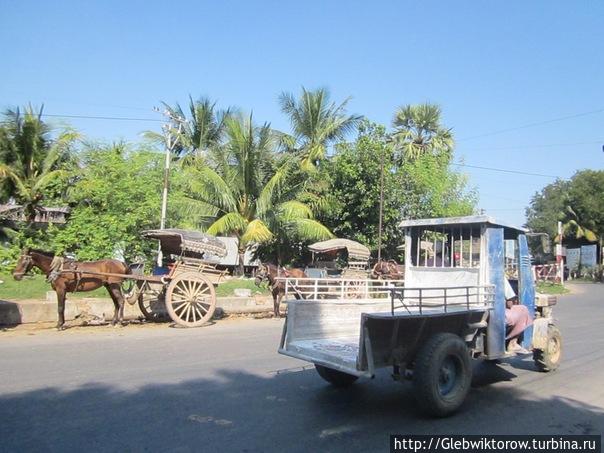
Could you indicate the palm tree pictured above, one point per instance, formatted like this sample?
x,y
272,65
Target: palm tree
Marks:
x,y
316,123
572,225
418,131
202,130
246,195
31,161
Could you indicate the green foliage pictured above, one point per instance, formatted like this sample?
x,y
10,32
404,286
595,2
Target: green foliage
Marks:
x,y
34,168
117,194
577,203
316,123
418,132
422,187
248,192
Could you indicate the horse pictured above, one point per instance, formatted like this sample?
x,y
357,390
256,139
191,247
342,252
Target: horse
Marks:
x,y
269,273
70,276
387,270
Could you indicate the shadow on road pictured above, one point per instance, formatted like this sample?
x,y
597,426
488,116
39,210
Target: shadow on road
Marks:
x,y
293,411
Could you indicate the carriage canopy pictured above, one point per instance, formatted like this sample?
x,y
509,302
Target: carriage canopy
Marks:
x,y
356,251
175,241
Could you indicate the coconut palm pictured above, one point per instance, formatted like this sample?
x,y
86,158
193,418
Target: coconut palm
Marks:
x,y
31,161
201,130
418,131
248,197
316,123
573,226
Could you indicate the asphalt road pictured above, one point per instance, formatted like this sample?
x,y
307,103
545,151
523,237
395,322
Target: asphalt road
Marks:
x,y
224,388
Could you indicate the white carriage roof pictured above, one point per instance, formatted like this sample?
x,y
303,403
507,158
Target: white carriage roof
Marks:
x,y
355,249
175,241
459,221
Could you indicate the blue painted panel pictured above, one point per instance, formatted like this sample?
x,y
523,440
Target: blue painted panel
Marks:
x,y
495,259
526,285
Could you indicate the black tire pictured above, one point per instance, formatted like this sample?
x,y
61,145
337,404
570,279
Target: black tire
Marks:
x,y
549,359
335,377
442,375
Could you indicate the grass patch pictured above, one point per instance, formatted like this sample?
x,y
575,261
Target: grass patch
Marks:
x,y
227,288
551,288
35,287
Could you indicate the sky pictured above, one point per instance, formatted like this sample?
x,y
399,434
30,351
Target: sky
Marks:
x,y
520,83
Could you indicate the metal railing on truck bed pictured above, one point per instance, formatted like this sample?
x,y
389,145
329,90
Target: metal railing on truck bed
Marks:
x,y
441,300
343,289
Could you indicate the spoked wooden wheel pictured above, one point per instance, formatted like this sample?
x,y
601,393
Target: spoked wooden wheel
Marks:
x,y
190,299
353,289
151,302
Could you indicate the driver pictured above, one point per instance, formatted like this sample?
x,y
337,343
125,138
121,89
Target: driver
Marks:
x,y
517,319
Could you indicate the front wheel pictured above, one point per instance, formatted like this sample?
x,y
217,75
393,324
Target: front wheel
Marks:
x,y
442,374
335,377
548,359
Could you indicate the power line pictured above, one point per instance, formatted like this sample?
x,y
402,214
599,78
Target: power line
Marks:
x,y
503,170
550,145
526,126
112,118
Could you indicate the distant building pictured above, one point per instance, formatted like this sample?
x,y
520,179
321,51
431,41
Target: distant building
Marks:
x,y
14,213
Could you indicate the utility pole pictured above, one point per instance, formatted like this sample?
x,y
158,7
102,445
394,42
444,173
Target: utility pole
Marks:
x,y
559,258
379,256
170,141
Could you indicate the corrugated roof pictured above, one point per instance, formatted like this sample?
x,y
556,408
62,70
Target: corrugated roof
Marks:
x,y
466,220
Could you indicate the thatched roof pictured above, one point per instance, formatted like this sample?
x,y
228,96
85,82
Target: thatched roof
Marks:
x,y
176,241
356,251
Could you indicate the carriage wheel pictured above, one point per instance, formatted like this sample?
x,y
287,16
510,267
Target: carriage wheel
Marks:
x,y
190,299
152,304
354,289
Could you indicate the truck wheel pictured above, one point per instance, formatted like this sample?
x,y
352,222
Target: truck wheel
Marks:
x,y
442,374
335,377
549,359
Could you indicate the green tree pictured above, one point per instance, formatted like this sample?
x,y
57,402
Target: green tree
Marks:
x,y
117,195
249,197
316,123
418,131
422,187
577,203
202,130
33,165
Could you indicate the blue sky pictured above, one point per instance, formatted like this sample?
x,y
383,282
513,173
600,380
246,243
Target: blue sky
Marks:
x,y
492,66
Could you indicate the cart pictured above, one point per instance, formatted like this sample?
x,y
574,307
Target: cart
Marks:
x,y
324,267
184,289
450,310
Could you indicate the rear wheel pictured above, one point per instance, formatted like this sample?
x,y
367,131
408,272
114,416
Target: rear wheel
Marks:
x,y
335,377
442,374
190,299
549,359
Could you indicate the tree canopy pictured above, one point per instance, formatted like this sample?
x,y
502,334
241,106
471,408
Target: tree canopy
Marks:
x,y
577,203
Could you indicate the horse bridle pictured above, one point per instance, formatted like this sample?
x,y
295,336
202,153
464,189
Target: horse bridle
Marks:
x,y
27,260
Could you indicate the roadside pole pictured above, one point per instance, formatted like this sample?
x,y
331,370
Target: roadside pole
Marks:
x,y
559,259
170,142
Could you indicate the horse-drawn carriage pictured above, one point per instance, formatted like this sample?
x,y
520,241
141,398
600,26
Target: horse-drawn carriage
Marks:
x,y
184,287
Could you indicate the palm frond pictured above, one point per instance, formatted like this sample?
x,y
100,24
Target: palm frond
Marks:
x,y
256,232
231,222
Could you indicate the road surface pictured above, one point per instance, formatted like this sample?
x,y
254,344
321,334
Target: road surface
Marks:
x,y
224,388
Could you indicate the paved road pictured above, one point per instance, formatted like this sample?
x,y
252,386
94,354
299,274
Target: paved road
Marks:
x,y
224,388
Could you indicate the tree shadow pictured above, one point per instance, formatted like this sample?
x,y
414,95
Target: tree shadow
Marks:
x,y
289,411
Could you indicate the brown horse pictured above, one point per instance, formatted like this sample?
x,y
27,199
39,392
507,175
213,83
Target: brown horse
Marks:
x,y
270,273
70,276
387,270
